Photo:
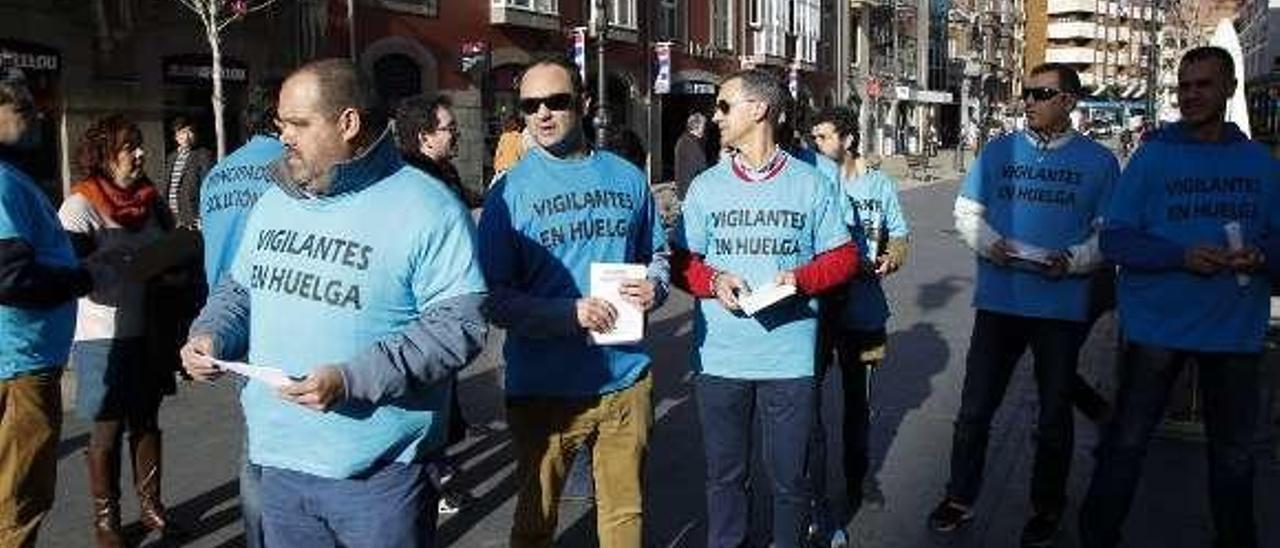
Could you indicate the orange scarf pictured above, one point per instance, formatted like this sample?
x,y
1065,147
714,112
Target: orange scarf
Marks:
x,y
128,207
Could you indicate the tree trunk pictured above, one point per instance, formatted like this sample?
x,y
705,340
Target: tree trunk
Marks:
x,y
215,49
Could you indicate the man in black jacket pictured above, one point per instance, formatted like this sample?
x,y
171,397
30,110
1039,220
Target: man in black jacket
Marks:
x,y
184,170
691,153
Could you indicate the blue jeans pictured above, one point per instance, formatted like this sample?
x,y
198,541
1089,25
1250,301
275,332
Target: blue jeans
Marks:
x,y
251,500
393,508
998,342
1229,383
727,408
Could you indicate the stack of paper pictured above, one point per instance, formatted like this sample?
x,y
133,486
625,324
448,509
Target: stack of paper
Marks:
x,y
272,376
763,297
606,278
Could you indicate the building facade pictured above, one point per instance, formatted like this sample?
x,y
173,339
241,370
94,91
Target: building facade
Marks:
x,y
417,47
145,59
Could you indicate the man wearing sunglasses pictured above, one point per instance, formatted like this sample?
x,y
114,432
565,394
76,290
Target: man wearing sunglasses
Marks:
x,y
1029,209
1186,290
758,217
563,207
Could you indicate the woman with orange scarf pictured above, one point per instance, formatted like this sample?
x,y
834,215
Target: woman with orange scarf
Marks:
x,y
115,210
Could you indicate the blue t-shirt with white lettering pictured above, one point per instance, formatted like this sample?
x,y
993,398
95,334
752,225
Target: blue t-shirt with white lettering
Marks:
x,y
1185,192
831,170
873,197
33,339
543,225
329,277
1045,197
226,198
755,230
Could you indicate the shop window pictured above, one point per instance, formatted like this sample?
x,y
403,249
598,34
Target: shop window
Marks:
x,y
549,7
428,8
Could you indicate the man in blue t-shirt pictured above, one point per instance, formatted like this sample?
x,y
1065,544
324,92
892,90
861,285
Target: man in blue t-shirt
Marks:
x,y
759,218
227,196
1195,230
859,312
356,278
561,209
40,280
1029,208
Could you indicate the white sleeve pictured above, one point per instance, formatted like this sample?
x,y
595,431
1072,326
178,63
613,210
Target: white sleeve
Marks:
x,y
77,215
972,226
1085,256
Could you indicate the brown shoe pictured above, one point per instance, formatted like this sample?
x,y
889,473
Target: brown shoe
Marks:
x,y
104,486
145,449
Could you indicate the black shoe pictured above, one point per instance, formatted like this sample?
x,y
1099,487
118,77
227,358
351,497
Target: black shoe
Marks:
x,y
949,515
872,497
1040,530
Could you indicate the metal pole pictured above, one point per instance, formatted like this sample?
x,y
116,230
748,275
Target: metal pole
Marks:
x,y
602,111
351,29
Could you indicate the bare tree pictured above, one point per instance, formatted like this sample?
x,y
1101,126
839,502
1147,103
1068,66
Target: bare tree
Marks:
x,y
216,15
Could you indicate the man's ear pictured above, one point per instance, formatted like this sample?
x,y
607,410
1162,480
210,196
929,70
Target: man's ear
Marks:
x,y
349,124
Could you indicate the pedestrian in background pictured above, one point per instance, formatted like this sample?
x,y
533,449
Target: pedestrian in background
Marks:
x,y
184,168
1030,210
114,209
511,144
859,315
691,153
427,135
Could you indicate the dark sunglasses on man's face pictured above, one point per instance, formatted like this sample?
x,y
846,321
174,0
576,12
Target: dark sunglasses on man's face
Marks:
x,y
557,102
1039,94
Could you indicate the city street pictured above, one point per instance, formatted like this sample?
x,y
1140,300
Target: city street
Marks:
x,y
915,398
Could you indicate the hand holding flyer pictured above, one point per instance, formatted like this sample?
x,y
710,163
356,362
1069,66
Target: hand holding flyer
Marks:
x,y
606,278
763,297
271,376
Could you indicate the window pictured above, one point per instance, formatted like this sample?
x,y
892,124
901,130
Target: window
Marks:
x,y
753,13
428,8
722,24
549,7
807,26
622,13
671,20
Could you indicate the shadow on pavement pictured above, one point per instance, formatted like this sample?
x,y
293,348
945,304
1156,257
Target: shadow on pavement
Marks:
x,y
937,295
915,356
193,517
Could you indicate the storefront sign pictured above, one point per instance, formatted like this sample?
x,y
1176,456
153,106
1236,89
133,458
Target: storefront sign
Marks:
x,y
29,57
198,69
689,87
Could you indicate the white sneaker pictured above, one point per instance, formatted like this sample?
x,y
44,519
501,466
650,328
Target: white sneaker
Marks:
x,y
839,539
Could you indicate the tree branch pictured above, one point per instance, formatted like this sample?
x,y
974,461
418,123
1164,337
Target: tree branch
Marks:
x,y
193,6
259,7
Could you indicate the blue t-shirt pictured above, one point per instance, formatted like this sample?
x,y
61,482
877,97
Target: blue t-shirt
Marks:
x,y
755,230
327,278
1184,192
1048,198
543,225
226,198
873,197
33,339
831,170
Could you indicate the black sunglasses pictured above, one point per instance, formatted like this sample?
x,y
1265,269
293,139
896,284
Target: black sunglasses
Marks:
x,y
724,106
557,102
1040,94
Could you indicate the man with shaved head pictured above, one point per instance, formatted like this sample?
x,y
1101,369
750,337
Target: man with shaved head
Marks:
x,y
364,289
563,208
